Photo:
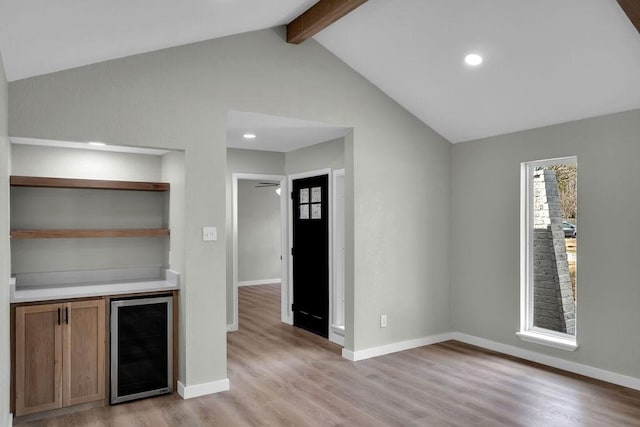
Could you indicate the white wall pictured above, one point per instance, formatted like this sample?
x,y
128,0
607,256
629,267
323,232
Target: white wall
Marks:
x,y
5,261
178,98
486,236
259,228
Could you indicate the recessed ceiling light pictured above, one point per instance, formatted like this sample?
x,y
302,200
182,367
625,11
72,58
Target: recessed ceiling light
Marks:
x,y
473,59
97,144
249,136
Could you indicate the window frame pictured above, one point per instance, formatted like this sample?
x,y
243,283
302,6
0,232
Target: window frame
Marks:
x,y
528,332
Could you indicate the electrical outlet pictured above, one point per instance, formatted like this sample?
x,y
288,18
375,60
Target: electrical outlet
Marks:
x,y
383,320
209,233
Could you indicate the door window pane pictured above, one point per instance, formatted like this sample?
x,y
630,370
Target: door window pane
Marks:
x,y
304,195
316,194
304,211
316,211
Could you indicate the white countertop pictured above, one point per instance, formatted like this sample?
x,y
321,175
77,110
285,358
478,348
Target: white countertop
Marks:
x,y
47,293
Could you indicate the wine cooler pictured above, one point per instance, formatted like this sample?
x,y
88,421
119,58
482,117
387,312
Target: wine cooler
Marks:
x,y
141,348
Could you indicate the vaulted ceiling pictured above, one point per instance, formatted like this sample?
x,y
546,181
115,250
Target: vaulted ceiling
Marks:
x,y
545,61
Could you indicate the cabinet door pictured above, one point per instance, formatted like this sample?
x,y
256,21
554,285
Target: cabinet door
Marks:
x,y
84,352
38,358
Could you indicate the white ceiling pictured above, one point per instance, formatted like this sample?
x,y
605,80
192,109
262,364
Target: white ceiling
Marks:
x,y
546,61
42,36
275,133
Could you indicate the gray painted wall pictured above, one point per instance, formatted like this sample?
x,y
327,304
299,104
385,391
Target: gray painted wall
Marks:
x,y
259,228
5,261
244,161
178,98
37,160
486,236
328,154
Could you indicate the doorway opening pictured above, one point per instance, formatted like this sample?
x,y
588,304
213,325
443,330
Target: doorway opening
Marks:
x,y
253,252
286,148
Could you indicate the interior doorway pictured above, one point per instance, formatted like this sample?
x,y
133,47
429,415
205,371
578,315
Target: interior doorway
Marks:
x,y
265,183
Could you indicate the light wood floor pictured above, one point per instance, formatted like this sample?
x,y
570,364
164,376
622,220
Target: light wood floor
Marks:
x,y
283,376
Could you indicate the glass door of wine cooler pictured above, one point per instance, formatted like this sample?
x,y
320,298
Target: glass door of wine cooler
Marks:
x,y
141,348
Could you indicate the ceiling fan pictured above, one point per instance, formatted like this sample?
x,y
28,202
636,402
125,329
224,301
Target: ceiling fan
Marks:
x,y
268,184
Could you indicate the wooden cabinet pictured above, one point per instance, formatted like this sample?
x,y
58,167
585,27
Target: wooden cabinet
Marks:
x,y
59,355
83,350
38,358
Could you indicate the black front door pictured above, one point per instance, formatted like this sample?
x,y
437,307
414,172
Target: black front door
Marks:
x,y
311,254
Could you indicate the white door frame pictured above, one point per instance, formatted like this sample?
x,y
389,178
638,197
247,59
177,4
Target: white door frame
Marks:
x,y
336,329
330,254
235,177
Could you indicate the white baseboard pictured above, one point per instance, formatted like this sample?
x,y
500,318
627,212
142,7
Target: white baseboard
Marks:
x,y
335,338
543,359
336,334
232,327
555,362
10,421
368,353
260,282
188,392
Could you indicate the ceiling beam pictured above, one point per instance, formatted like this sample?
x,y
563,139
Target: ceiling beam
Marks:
x,y
318,17
632,9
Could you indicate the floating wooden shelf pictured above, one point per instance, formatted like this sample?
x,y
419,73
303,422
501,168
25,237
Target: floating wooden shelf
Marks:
x,y
94,184
70,233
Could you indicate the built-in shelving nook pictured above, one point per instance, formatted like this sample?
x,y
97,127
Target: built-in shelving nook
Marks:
x,y
84,217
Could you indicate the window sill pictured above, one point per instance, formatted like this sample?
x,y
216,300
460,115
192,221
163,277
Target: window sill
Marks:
x,y
548,340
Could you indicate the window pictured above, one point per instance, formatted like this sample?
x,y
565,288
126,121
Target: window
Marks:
x,y
548,255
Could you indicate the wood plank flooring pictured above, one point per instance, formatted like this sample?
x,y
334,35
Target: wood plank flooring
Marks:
x,y
283,376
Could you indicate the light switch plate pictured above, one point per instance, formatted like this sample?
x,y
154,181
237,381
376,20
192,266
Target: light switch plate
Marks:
x,y
209,234
383,320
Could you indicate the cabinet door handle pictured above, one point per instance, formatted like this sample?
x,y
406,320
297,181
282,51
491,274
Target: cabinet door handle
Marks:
x,y
66,314
58,315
